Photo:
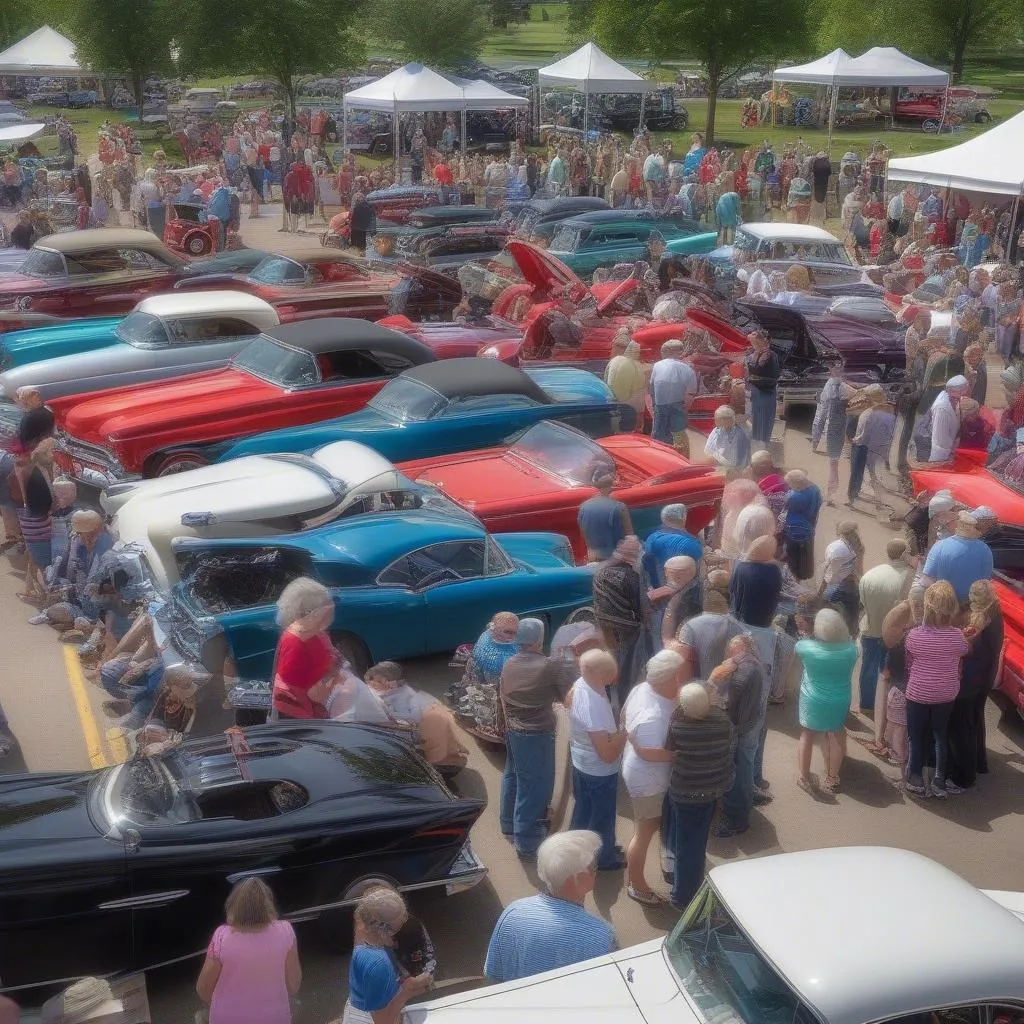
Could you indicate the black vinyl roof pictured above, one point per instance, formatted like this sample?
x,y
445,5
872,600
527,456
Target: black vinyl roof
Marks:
x,y
461,378
343,334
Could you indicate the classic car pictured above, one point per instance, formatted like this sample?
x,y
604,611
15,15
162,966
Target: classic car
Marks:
x,y
917,104
548,471
128,867
437,216
227,261
398,203
607,237
164,336
777,246
327,282
411,572
972,484
735,954
538,216
190,231
98,272
454,405
297,373
444,248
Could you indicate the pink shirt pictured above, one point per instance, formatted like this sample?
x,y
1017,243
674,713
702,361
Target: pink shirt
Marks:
x,y
934,658
251,988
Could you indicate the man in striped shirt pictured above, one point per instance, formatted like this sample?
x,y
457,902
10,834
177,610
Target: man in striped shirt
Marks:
x,y
550,930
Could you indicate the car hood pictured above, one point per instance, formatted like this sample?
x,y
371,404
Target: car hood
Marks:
x,y
544,271
205,395
508,477
43,807
632,986
12,286
88,369
973,488
37,343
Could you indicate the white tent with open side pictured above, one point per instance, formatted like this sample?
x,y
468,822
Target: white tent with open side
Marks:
x,y
44,52
16,134
822,71
413,87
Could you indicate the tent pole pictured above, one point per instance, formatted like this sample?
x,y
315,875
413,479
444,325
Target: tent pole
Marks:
x,y
463,133
344,129
586,113
832,114
945,103
643,107
1011,241
397,143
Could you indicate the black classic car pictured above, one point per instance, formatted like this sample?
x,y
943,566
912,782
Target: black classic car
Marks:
x,y
128,867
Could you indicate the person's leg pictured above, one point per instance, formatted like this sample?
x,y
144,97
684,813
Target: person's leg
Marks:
x,y
805,748
535,782
691,824
668,857
858,460
739,799
918,738
871,653
939,724
980,703
833,481
881,701
906,433
661,429
509,787
644,830
603,793
834,753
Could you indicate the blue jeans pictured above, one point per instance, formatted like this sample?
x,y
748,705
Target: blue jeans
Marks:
x,y
858,463
739,800
872,654
527,785
668,420
690,825
927,726
594,809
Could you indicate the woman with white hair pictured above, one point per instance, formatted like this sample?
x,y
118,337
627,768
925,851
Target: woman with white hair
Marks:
x,y
376,993
803,503
825,692
840,578
728,445
646,764
306,664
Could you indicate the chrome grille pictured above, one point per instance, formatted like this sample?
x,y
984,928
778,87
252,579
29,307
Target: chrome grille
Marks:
x,y
83,451
186,633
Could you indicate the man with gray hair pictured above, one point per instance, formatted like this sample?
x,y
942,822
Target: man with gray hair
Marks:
x,y
945,421
603,520
670,540
530,684
673,384
551,929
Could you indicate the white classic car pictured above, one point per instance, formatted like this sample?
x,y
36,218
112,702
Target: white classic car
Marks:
x,y
772,940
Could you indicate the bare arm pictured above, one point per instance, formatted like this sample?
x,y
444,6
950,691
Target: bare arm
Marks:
x,y
208,978
292,970
608,744
410,988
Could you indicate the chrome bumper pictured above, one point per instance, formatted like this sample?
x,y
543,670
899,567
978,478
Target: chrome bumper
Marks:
x,y
467,871
88,463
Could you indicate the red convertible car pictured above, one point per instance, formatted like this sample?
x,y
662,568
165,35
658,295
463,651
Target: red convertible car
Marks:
x,y
295,374
328,282
971,484
540,481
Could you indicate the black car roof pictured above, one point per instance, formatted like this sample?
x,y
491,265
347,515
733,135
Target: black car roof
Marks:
x,y
452,215
565,204
340,333
461,378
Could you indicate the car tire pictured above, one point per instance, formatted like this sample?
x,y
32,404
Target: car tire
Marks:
x,y
585,614
379,148
198,245
336,926
353,650
180,463
982,116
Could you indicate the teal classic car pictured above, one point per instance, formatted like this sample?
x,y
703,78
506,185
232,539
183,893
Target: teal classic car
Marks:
x,y
607,237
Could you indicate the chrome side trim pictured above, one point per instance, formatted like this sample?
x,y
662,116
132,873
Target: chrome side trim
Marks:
x,y
151,899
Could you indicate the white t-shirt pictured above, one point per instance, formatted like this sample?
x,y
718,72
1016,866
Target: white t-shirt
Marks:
x,y
646,716
590,713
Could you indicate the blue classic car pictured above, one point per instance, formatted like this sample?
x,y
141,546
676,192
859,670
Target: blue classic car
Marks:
x,y
607,237
412,572
455,405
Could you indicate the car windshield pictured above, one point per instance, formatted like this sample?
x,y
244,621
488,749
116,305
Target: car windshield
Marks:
x,y
142,330
564,453
271,361
724,974
278,270
147,791
407,401
44,264
565,239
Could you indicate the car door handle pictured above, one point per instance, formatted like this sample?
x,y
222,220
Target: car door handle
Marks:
x,y
146,901
240,876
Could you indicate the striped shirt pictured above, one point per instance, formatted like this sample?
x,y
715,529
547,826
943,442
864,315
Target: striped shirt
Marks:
x,y
542,933
934,657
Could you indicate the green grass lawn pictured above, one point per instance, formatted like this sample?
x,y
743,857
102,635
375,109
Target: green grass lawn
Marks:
x,y
533,41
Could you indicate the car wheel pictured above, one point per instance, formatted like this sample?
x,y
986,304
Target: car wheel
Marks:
x,y
352,650
198,245
982,116
336,926
180,463
379,148
585,614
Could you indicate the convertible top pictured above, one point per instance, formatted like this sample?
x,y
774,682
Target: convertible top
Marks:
x,y
462,378
340,334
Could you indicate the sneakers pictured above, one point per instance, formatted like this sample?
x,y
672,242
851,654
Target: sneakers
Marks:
x,y
939,790
952,788
41,619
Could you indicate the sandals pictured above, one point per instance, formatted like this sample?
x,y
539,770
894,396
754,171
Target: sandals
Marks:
x,y
808,785
645,899
831,784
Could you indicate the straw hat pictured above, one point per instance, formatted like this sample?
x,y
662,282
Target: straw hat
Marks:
x,y
88,999
967,525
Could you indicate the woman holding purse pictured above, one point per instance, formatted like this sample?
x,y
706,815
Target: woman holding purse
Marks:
x,y
306,663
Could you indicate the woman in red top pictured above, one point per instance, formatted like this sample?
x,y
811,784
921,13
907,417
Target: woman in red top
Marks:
x,y
306,662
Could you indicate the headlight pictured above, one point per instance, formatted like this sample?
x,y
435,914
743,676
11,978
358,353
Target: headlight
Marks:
x,y
491,352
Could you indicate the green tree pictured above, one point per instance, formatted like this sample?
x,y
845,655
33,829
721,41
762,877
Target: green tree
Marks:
x,y
441,33
282,38
17,19
725,36
130,37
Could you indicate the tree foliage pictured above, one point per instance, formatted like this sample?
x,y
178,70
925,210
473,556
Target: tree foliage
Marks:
x,y
725,36
441,33
282,38
17,19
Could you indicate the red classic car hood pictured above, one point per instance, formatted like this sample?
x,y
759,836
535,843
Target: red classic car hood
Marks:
x,y
122,412
22,284
973,485
732,340
545,272
449,339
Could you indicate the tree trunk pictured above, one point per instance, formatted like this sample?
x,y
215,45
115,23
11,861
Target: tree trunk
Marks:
x,y
137,83
288,84
714,73
963,34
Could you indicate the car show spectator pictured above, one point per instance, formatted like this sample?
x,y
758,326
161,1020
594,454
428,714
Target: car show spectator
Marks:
x,y
801,509
881,587
603,520
763,369
670,540
622,611
728,445
959,560
625,375
945,422
673,383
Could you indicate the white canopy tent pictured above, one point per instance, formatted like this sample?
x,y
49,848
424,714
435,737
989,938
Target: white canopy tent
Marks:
x,y
15,134
44,52
881,65
590,70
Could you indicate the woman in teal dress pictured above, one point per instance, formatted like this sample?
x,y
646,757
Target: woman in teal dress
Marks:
x,y
825,692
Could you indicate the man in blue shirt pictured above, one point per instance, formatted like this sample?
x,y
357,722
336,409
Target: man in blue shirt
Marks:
x,y
959,560
603,520
551,930
669,540
673,383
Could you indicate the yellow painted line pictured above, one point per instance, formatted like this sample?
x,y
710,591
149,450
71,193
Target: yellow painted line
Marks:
x,y
118,745
80,693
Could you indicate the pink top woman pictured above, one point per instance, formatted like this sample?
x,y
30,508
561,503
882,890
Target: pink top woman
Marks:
x,y
251,987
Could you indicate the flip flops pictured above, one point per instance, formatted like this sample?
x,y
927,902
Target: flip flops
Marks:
x,y
645,899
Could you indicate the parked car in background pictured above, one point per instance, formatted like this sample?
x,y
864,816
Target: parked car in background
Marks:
x,y
538,216
396,204
296,373
733,956
190,231
455,405
163,337
143,854
451,216
443,249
